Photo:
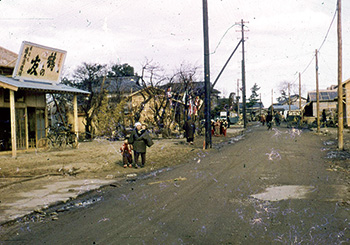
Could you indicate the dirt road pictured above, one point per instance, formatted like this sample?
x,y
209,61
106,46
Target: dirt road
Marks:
x,y
268,187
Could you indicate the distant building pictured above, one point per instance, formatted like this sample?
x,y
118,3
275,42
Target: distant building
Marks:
x,y
327,100
294,100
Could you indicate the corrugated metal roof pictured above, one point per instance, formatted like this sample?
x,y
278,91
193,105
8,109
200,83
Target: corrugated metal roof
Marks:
x,y
285,107
40,86
328,95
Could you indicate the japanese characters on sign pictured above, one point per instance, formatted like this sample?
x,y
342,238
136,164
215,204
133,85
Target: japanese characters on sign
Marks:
x,y
39,63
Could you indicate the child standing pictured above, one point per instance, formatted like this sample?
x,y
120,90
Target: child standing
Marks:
x,y
126,150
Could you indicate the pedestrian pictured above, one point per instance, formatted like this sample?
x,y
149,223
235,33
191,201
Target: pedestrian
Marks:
x,y
189,128
262,119
126,150
277,118
269,120
140,140
324,118
212,124
217,127
224,127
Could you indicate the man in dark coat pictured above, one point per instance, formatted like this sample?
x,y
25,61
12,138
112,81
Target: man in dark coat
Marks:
x,y
189,128
140,139
269,120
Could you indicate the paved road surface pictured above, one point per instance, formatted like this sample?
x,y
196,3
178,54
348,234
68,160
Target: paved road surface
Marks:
x,y
269,187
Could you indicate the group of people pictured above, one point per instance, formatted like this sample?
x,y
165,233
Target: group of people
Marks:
x,y
138,141
219,127
269,118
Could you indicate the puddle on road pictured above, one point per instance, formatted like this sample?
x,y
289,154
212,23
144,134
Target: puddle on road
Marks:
x,y
341,155
331,193
278,193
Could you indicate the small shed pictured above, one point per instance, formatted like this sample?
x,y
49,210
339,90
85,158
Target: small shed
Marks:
x,y
23,113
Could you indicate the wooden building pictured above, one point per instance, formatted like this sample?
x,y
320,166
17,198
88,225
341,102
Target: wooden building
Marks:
x,y
23,109
23,113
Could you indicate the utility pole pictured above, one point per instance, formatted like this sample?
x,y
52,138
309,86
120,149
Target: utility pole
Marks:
x,y
243,79
260,104
208,143
340,85
289,98
300,93
238,98
272,102
317,96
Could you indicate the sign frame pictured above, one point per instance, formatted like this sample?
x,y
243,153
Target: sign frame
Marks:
x,y
25,60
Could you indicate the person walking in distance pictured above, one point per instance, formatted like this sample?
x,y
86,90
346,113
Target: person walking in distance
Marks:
x,y
140,140
269,120
189,128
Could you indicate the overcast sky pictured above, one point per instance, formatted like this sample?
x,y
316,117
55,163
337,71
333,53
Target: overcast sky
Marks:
x,y
282,36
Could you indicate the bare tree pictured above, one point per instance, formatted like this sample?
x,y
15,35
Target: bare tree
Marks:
x,y
283,89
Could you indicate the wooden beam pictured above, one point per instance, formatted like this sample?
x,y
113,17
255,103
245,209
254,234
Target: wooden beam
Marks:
x,y
13,123
26,127
8,86
46,112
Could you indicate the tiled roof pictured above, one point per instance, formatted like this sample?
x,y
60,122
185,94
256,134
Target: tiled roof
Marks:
x,y
7,58
123,85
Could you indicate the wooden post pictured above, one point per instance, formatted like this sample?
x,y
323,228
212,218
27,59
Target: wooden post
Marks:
x,y
46,120
317,96
340,85
13,123
75,117
26,126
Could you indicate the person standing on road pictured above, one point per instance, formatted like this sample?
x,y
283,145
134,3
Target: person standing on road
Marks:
x,y
324,118
277,118
269,120
140,139
262,119
189,128
126,150
224,127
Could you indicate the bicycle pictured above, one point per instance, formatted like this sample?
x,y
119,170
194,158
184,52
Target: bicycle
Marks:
x,y
58,137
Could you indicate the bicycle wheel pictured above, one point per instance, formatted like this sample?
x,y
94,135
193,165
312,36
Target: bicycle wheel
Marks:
x,y
44,144
72,141
61,142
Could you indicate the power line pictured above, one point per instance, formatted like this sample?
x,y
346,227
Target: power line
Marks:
x,y
330,26
223,38
323,42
